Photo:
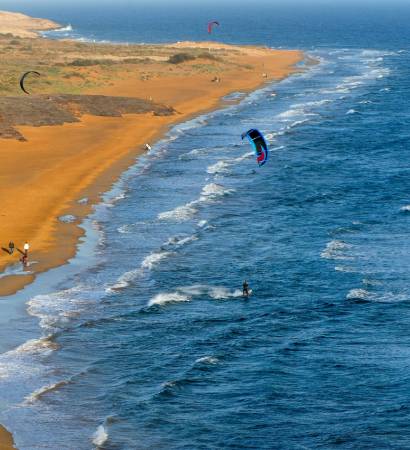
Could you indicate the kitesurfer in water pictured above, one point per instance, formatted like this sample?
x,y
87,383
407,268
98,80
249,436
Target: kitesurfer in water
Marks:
x,y
245,289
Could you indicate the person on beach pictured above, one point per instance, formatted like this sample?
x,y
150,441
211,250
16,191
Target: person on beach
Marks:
x,y
11,247
26,248
245,289
24,261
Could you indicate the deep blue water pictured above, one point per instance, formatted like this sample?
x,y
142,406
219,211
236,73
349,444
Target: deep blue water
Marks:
x,y
151,346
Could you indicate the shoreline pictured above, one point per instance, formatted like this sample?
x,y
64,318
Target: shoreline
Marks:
x,y
95,151
6,439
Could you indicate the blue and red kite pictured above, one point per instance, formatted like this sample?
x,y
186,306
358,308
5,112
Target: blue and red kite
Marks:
x,y
258,143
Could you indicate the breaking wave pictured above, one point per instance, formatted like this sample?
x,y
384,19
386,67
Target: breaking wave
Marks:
x,y
335,250
187,293
100,437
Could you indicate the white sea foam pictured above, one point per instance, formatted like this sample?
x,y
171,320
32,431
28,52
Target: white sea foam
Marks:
x,y
187,293
297,122
290,113
171,297
312,103
193,153
337,90
180,213
346,269
68,218
358,294
207,360
57,309
405,208
219,167
352,111
335,250
15,269
66,28
220,293
83,201
212,191
43,345
154,259
179,241
38,393
123,229
376,53
112,198
150,262
100,436
209,193
124,280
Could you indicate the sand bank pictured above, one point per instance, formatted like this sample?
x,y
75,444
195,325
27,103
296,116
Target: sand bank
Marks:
x,y
6,440
24,26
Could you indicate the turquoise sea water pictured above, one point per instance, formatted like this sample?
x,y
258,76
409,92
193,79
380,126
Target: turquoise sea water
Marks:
x,y
144,342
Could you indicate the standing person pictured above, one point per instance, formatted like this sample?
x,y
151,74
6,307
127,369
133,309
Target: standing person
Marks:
x,y
24,261
245,289
26,248
11,247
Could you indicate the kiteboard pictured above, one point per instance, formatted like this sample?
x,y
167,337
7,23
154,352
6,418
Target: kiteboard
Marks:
x,y
249,293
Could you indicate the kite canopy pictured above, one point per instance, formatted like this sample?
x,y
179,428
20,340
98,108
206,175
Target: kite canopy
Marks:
x,y
211,25
24,77
258,143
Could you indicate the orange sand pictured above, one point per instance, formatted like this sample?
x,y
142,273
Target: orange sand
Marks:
x,y
6,440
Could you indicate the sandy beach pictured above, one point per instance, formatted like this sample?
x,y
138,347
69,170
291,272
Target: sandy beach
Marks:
x,y
54,159
6,439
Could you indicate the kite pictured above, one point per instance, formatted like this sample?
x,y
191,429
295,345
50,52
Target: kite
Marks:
x,y
211,25
23,78
258,143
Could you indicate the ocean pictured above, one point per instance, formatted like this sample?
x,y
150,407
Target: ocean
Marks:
x,y
144,341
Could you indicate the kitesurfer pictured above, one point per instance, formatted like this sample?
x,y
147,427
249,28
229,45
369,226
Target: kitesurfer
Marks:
x,y
11,247
245,289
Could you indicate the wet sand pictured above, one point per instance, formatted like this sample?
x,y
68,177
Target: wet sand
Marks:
x,y
6,439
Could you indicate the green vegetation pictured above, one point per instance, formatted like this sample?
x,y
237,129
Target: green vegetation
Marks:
x,y
180,58
75,67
